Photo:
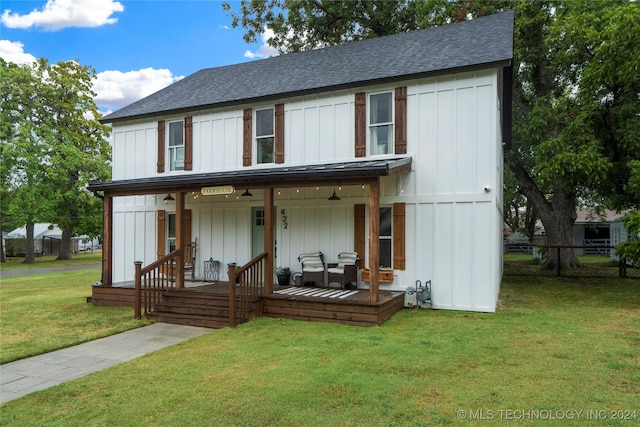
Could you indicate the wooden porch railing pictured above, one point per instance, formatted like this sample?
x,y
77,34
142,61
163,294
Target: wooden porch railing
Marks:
x,y
154,279
246,284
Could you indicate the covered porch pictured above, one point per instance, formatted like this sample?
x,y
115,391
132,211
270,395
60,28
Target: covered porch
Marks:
x,y
272,301
206,304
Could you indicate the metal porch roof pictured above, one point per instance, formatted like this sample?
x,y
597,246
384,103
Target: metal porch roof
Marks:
x,y
279,176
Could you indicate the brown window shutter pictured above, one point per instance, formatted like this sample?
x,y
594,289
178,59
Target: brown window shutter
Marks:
x,y
160,146
399,236
401,120
186,227
361,124
188,143
161,231
279,133
359,226
247,131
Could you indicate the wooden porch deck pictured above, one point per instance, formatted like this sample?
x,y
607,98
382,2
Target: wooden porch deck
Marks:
x,y
199,301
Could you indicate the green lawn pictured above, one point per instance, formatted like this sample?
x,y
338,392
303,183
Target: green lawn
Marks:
x,y
45,312
553,347
82,258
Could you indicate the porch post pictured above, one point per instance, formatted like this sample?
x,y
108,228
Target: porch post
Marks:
x,y
179,237
374,240
268,240
107,241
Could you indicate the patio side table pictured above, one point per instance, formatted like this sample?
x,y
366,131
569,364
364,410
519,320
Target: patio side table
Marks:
x,y
211,271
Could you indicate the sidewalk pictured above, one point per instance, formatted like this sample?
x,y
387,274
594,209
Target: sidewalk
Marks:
x,y
25,376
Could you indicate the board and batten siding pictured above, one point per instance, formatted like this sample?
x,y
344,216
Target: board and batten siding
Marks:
x,y
454,136
453,226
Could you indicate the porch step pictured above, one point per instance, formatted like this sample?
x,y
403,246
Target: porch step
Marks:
x,y
190,319
193,309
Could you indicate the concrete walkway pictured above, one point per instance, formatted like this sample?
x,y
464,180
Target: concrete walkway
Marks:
x,y
25,376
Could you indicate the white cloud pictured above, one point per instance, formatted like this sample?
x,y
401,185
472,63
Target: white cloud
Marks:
x,y
115,89
264,51
14,52
59,14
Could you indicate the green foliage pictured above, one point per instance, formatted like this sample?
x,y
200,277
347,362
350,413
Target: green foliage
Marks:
x,y
52,145
283,271
303,24
518,213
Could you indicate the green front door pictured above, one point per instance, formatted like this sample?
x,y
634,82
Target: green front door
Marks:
x,y
257,234
257,231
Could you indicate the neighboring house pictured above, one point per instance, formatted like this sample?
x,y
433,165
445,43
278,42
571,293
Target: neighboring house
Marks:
x,y
619,234
406,130
593,230
46,238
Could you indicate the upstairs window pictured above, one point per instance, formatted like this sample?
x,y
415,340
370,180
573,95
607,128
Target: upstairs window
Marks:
x,y
176,146
265,136
381,123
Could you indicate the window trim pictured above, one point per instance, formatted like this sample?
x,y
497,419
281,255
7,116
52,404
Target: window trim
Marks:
x,y
399,232
390,237
170,239
390,144
256,138
170,148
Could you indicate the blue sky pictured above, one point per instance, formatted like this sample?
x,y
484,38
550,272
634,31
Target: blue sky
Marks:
x,y
136,47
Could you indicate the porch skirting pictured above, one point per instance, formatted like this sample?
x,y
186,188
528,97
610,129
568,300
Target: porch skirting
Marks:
x,y
355,309
307,304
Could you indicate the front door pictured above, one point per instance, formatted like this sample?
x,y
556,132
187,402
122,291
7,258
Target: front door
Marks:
x,y
257,234
257,231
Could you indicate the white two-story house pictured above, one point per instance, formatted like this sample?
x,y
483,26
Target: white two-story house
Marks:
x,y
406,131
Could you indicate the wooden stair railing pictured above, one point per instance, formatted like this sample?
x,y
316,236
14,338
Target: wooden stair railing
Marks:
x,y
153,280
246,284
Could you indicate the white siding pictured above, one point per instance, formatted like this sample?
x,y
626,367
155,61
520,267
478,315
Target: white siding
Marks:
x,y
453,224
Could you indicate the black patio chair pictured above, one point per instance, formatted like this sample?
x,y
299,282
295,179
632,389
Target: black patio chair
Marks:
x,y
312,268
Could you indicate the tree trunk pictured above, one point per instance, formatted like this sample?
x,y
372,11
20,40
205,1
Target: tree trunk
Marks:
x,y
29,254
559,232
557,216
65,244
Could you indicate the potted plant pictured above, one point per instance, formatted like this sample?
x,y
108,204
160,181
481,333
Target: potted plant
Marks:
x,y
284,275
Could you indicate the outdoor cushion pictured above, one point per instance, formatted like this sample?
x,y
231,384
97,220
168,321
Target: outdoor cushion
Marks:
x,y
311,262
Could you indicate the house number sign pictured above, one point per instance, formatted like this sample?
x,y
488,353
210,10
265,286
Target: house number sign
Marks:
x,y
285,224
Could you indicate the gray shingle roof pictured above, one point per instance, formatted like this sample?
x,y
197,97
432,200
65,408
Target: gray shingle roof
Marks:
x,y
481,41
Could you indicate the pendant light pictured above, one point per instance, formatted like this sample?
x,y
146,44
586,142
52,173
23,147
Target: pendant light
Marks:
x,y
334,196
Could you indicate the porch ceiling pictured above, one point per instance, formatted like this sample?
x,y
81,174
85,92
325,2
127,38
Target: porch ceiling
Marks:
x,y
343,173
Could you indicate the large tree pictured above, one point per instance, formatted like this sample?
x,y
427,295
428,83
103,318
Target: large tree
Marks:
x,y
53,146
575,86
575,101
308,24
